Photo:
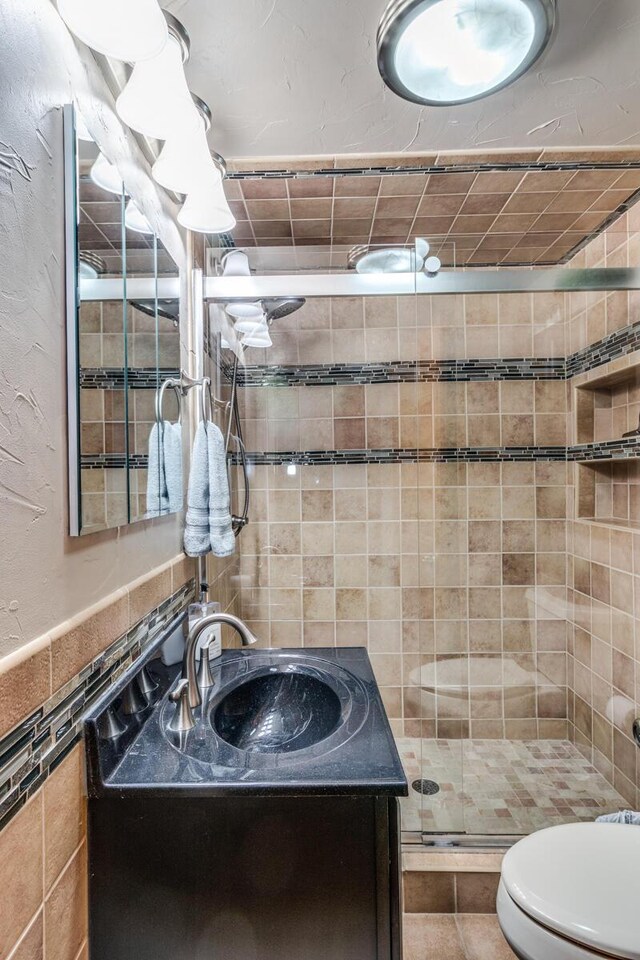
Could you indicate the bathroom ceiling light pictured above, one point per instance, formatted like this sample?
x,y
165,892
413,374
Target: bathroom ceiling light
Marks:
x,y
105,176
134,219
447,52
241,310
384,260
156,101
185,161
206,209
259,338
252,325
235,263
82,130
90,265
129,30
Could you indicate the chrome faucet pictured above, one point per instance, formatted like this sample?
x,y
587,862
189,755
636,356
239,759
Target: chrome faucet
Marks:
x,y
189,672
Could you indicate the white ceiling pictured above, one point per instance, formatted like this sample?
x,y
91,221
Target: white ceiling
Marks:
x,y
299,77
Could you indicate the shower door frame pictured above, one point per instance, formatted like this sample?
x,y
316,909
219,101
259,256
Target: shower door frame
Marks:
x,y
453,281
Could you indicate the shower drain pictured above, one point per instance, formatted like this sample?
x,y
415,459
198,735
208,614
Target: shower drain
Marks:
x,y
427,787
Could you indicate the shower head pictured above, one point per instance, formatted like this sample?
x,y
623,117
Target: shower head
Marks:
x,y
279,307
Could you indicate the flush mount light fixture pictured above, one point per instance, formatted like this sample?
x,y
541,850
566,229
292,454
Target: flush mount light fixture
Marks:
x,y
388,259
448,52
90,265
129,30
105,176
134,219
156,100
185,161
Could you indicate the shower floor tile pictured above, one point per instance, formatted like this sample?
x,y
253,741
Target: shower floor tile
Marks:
x,y
501,786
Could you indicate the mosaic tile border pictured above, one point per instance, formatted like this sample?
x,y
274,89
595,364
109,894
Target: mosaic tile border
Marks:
x,y
623,449
402,371
614,345
397,170
113,378
114,461
406,455
33,749
607,450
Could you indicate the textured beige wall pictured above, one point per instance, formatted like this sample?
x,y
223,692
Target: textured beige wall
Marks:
x,y
46,577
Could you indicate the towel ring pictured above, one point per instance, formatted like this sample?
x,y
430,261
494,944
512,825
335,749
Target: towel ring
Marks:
x,y
213,401
175,386
206,391
181,388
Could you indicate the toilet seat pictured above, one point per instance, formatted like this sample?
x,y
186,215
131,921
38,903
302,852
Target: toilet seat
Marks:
x,y
577,885
531,941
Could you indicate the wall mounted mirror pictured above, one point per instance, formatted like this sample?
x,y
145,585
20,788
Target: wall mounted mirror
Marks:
x,y
125,454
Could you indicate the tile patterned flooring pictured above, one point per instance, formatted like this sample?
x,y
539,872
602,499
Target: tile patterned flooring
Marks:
x,y
470,936
501,787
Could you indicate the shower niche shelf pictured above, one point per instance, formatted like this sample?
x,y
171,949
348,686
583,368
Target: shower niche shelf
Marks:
x,y
607,406
609,492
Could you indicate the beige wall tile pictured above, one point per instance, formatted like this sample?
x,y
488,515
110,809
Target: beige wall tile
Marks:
x,y
148,592
64,814
66,911
76,643
21,872
25,682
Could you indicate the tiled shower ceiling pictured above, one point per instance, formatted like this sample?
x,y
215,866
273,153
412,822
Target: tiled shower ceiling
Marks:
x,y
488,215
100,232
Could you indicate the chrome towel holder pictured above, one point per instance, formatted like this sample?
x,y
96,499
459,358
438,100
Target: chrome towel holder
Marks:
x,y
181,387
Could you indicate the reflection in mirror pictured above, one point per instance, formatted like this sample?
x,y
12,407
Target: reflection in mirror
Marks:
x,y
153,351
103,454
127,345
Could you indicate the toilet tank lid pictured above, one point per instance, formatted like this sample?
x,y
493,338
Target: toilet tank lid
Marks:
x,y
581,880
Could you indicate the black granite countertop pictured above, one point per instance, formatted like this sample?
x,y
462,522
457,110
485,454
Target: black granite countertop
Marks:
x,y
356,754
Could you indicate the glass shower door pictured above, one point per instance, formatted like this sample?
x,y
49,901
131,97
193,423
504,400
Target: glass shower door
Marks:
x,y
439,671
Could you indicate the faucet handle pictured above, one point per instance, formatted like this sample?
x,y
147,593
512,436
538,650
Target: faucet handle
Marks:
x,y
182,720
205,679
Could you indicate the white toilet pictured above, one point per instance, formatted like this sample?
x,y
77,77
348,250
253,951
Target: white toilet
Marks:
x,y
573,893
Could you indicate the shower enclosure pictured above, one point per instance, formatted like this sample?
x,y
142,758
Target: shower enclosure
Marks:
x,y
438,473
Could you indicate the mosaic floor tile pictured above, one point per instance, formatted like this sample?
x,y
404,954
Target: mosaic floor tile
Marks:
x,y
501,787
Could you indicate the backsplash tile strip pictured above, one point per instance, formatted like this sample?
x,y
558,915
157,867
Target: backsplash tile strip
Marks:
x,y
33,750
